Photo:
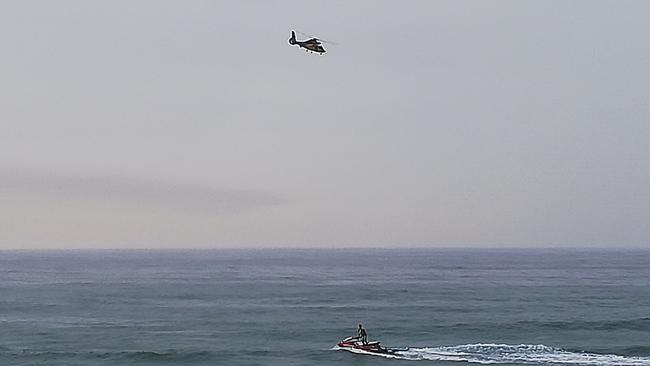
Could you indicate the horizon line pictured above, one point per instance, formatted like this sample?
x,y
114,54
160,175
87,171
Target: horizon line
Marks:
x,y
317,248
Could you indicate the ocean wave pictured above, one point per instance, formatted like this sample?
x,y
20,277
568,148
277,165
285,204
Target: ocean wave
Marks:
x,y
513,354
126,355
636,324
640,324
638,350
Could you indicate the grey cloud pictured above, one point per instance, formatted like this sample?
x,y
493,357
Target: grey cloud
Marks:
x,y
133,191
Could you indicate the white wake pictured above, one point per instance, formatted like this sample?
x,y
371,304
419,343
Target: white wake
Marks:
x,y
508,354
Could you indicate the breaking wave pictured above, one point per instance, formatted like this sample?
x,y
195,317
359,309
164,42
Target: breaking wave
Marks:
x,y
513,354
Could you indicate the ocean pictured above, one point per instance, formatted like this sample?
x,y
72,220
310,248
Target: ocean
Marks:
x,y
290,307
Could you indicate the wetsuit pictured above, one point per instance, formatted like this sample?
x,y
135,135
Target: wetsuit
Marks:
x,y
363,335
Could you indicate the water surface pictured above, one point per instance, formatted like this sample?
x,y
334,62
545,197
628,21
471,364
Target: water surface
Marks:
x,y
290,307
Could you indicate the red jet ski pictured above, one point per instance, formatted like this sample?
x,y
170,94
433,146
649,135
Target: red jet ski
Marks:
x,y
354,343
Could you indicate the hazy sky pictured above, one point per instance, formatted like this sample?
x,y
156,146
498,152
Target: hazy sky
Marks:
x,y
129,124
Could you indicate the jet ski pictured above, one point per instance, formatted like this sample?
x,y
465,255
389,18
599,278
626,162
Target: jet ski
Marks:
x,y
354,343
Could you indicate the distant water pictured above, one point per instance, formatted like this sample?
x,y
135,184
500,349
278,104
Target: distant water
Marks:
x,y
290,307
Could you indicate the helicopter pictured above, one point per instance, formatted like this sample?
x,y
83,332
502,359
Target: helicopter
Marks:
x,y
310,45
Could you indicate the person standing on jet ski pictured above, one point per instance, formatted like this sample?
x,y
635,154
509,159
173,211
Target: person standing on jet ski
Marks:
x,y
362,334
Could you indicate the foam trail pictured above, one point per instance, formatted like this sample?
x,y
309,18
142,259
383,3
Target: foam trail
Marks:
x,y
513,354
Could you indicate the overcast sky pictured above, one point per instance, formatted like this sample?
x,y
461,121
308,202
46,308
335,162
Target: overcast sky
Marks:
x,y
130,124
